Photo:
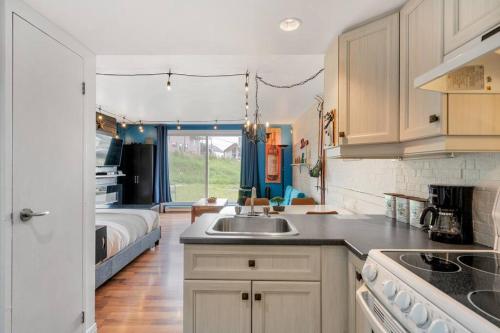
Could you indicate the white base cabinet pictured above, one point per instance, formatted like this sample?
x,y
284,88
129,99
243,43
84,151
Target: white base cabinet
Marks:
x,y
247,292
217,306
286,307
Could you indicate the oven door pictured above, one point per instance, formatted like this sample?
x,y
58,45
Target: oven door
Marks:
x,y
372,317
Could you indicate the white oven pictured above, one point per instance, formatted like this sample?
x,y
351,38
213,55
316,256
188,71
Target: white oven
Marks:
x,y
372,317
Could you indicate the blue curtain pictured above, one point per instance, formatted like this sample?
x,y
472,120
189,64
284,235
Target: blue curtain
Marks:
x,y
162,182
249,163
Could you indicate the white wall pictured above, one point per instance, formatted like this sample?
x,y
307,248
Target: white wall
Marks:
x,y
359,184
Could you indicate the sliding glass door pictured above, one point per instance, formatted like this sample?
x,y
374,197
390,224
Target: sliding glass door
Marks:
x,y
203,164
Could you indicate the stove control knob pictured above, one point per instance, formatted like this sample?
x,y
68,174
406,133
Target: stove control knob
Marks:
x,y
403,301
389,288
419,314
369,272
439,326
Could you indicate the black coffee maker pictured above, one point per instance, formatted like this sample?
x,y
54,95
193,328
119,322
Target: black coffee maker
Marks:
x,y
451,210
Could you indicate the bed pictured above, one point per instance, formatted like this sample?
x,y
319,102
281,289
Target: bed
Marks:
x,y
130,232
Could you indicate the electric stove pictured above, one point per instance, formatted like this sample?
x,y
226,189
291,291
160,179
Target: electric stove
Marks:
x,y
441,291
470,278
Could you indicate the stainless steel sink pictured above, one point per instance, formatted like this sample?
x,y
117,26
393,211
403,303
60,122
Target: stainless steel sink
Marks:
x,y
241,225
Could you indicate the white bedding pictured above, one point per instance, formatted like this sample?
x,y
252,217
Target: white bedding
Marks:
x,y
125,226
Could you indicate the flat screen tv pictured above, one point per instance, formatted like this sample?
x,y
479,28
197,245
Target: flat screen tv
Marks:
x,y
108,150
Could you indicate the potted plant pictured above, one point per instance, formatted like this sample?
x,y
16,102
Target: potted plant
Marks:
x,y
279,201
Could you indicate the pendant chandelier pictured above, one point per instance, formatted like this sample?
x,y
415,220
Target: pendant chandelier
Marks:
x,y
255,130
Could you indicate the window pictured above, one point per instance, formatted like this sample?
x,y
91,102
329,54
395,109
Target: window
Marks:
x,y
203,164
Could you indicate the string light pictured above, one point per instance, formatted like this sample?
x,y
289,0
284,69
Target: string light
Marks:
x,y
168,82
117,137
124,124
247,74
215,126
267,124
178,125
141,129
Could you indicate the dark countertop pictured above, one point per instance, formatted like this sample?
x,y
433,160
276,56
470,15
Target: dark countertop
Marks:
x,y
360,233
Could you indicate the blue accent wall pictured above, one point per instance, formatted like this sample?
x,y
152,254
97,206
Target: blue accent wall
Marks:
x,y
286,139
131,134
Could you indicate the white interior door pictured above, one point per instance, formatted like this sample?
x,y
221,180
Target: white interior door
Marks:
x,y
48,150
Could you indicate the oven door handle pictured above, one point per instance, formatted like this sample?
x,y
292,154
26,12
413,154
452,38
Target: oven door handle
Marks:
x,y
375,325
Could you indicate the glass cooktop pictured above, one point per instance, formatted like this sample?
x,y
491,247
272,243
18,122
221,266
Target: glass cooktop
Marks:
x,y
472,279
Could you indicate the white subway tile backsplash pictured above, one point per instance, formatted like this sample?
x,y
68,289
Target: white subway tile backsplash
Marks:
x,y
359,184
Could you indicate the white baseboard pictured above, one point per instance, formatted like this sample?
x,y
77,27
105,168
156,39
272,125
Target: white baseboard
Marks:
x,y
92,329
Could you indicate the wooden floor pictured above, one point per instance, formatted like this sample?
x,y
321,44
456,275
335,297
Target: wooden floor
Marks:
x,y
146,296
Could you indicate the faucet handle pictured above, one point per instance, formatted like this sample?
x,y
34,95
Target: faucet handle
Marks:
x,y
266,210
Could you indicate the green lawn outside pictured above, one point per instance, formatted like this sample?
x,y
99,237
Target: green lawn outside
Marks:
x,y
187,177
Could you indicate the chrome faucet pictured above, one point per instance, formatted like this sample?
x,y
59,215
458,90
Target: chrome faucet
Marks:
x,y
252,201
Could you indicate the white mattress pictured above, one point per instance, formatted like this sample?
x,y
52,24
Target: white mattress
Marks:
x,y
125,226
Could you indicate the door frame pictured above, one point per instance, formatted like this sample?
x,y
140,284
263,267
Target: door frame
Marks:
x,y
7,9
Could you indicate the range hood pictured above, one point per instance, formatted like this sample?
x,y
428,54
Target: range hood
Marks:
x,y
473,71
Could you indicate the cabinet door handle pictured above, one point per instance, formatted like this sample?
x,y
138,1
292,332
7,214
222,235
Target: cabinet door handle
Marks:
x,y
433,118
258,297
251,263
244,296
341,134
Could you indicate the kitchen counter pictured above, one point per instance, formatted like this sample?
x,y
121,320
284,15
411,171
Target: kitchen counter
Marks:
x,y
360,233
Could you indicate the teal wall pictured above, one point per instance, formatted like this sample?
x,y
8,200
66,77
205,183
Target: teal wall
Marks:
x,y
131,134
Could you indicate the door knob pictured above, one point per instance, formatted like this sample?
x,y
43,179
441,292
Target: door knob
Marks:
x,y
26,214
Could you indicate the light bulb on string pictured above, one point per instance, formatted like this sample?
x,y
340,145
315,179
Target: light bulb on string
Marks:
x,y
178,125
246,81
215,126
141,128
124,124
267,124
168,82
117,137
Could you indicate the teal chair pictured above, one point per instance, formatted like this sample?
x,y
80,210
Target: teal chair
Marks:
x,y
290,193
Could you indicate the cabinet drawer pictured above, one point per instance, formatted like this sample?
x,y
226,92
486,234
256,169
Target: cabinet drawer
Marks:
x,y
252,262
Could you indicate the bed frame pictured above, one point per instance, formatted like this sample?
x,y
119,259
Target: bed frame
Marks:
x,y
106,269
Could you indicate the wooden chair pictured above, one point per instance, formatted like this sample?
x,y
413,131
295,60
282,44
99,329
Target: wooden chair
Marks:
x,y
303,201
257,202
329,212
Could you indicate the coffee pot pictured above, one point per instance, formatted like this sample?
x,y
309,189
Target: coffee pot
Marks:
x,y
451,214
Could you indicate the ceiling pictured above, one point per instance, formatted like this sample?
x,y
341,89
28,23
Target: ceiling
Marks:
x,y
207,26
206,37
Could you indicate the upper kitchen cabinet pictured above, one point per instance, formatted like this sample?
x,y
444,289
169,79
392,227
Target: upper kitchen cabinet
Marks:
x,y
466,19
421,42
369,83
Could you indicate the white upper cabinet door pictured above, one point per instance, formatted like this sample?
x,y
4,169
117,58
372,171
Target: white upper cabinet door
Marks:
x,y
421,41
466,19
286,307
369,83
212,306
